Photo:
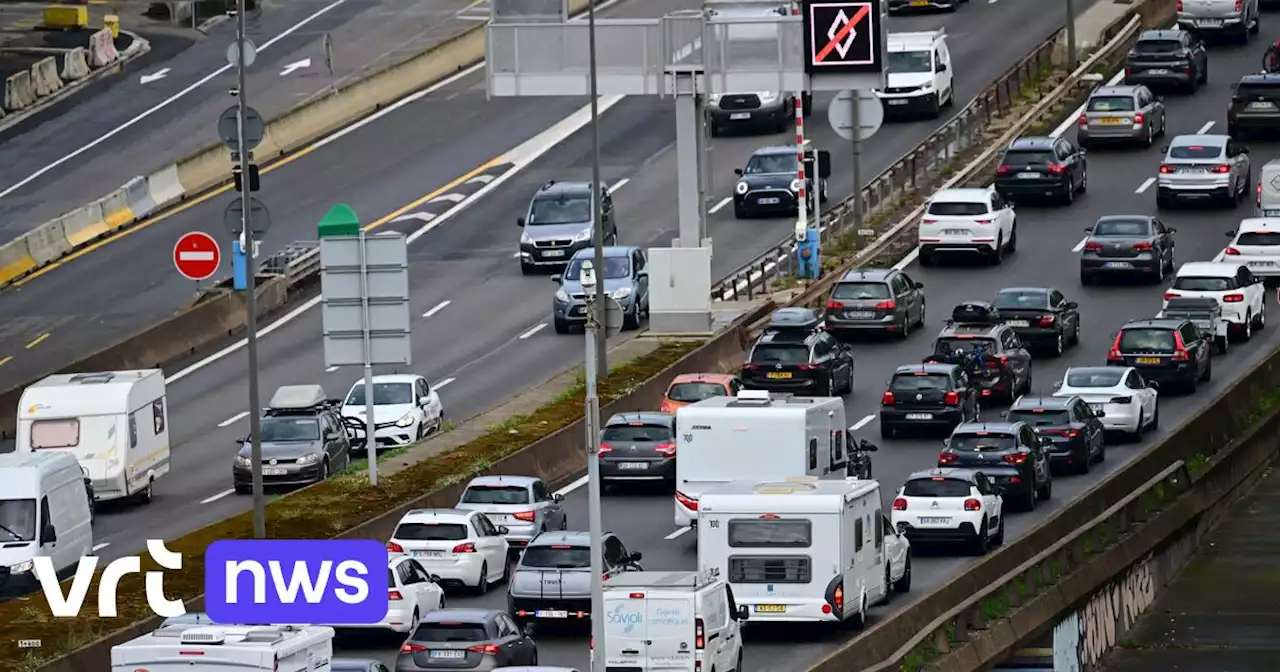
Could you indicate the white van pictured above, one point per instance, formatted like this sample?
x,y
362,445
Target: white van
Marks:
x,y
918,74
755,435
651,617
1267,195
800,549
227,648
116,423
44,511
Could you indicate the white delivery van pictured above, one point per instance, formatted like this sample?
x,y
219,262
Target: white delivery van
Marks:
x,y
1267,194
800,549
756,435
116,423
227,648
671,621
44,511
918,74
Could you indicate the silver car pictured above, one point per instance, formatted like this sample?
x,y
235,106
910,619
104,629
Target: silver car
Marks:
x,y
1237,18
1121,114
1204,168
552,582
522,504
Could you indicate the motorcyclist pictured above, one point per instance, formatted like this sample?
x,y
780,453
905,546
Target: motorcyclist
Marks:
x,y
1271,61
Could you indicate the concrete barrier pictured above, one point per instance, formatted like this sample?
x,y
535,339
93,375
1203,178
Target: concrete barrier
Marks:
x,y
18,92
138,196
164,187
102,49
115,209
15,260
48,242
84,224
44,77
75,64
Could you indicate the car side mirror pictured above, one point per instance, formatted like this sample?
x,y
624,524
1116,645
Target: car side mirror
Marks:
x,y
636,556
1164,149
1088,229
1234,85
1151,384
919,285
424,401
1171,231
744,612
1046,442
1244,149
48,534
519,221
557,497
1004,414
242,440
502,529
557,278
942,67
1057,385
1231,233
528,629
998,489
1072,305
1099,414
946,443
737,171
1159,99
642,274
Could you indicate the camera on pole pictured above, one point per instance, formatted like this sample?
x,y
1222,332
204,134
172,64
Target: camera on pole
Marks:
x,y
254,183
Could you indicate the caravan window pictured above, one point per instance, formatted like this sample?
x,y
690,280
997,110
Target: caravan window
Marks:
x,y
857,535
770,569
18,519
770,533
813,453
61,433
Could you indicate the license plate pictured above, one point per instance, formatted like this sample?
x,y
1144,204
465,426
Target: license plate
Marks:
x,y
780,375
448,653
633,465
900,101
274,472
1097,407
428,554
553,253
1262,263
1028,176
1260,106
768,201
740,115
772,608
1148,360
955,232
859,314
935,521
1117,264
1208,23
919,416
1018,323
1158,71
1112,121
551,613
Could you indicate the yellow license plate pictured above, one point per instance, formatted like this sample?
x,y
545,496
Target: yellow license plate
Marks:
x,y
919,3
780,374
1111,121
771,608
1148,360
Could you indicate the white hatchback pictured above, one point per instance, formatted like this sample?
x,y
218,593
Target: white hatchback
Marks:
x,y
462,548
1256,243
968,221
412,592
1241,293
1130,403
406,409
950,506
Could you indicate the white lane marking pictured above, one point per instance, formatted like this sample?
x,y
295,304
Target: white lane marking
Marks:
x,y
452,198
444,382
515,255
480,179
618,185
536,329
723,202
862,423
1080,245
564,492
439,307
331,369
1146,184
678,533
233,419
99,547
171,99
154,77
295,66
424,216
220,495
908,260
1205,129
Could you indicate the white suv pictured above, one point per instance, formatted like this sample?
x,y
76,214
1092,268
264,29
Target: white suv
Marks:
x,y
971,221
950,506
1240,293
1256,244
462,548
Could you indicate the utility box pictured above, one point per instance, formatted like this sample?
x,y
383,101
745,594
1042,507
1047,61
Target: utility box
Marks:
x,y
66,17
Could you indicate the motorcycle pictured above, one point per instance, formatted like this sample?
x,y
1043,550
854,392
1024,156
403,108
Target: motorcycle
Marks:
x,y
859,465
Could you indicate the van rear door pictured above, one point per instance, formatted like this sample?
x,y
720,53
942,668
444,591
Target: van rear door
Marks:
x,y
669,624
624,631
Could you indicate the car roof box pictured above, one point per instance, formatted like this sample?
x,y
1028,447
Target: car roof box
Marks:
x,y
298,397
794,319
1191,303
975,312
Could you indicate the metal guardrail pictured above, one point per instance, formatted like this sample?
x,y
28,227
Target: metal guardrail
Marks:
x,y
297,261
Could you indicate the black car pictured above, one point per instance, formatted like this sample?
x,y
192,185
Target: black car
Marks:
x,y
639,447
464,639
1255,105
1127,246
1041,316
1173,352
1165,59
795,355
875,300
770,184
927,397
1011,454
1077,434
304,440
1042,168
988,350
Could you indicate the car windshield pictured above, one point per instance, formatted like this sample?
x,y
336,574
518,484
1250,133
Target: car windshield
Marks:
x,y
614,268
1158,340
384,394
691,392
278,429
1029,157
575,210
761,164
980,443
1251,90
1094,377
1040,417
1258,238
856,291
430,532
1195,152
1111,104
1126,228
1193,283
446,631
957,209
496,494
936,486
780,354
1019,299
18,518
908,61
1157,46
556,557
919,382
635,433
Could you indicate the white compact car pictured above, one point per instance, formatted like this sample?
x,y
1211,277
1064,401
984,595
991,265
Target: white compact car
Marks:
x,y
462,548
1130,403
1241,293
405,408
412,592
950,506
1256,243
897,548
969,221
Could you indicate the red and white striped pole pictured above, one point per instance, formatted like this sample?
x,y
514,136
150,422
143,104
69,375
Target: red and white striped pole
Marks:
x,y
802,224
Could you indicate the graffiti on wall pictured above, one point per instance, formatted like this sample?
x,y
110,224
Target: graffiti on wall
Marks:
x,y
1083,638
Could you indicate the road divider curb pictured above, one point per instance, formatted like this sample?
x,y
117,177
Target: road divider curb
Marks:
x,y
46,243
84,225
75,64
115,209
30,91
165,188
44,76
15,261
18,92
102,49
138,197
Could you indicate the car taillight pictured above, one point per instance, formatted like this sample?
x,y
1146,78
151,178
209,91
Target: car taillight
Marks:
x,y
1092,246
983,222
945,458
1144,246
1233,298
1128,71
1239,6
750,367
1015,458
972,505
886,399
1005,169
666,449
393,547
951,399
1139,118
837,598
686,501
1231,251
1071,433
605,448
1180,353
526,516
899,504
1257,198
410,647
665,406
1114,352
1046,320
834,304
1057,168
886,305
927,220
997,363
465,548
1179,8
394,595
1222,168
1082,120
809,367
1166,169
1120,400
699,634
486,649
1171,295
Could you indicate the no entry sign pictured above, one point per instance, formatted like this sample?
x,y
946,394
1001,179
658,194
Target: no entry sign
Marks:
x,y
197,256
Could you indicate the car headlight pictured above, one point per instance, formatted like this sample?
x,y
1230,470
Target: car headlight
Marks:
x,y
620,294
311,458
927,86
242,461
562,296
583,236
405,421
714,99
525,239
741,188
22,567
795,185
767,97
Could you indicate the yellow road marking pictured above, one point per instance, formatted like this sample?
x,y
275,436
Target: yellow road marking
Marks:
x,y
37,340
446,188
5,360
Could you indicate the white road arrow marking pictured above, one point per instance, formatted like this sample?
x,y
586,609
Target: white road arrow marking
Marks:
x,y
155,76
424,216
452,198
296,65
482,179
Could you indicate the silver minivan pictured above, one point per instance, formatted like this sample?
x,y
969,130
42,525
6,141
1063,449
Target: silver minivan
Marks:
x,y
1236,18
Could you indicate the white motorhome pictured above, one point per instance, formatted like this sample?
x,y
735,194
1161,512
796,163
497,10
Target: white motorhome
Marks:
x,y
44,511
800,549
755,435
652,616
227,648
115,423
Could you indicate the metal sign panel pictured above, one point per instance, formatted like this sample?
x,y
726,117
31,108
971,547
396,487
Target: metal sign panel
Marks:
x,y
842,36
385,287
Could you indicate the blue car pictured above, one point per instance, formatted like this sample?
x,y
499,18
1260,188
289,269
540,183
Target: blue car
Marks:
x,y
625,277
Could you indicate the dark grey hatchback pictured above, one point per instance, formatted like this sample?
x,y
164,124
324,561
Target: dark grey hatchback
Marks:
x,y
883,300
1127,246
639,447
466,639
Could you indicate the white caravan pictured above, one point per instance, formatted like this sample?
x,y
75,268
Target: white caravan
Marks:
x,y
799,549
115,423
44,511
755,435
227,648
652,616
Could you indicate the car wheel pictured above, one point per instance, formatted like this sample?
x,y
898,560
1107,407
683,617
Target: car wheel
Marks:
x,y
905,331
1058,345
1075,333
1155,419
739,212
1069,194
564,523
1031,500
1085,278
145,495
1046,490
887,431
631,320
482,586
1102,453
888,583
903,584
926,259
923,306
1136,434
1159,272
997,255
1150,137
1260,321
243,489
1245,331
981,542
526,269
324,470
562,327
1221,344
1208,370
1085,464
999,538
1013,238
